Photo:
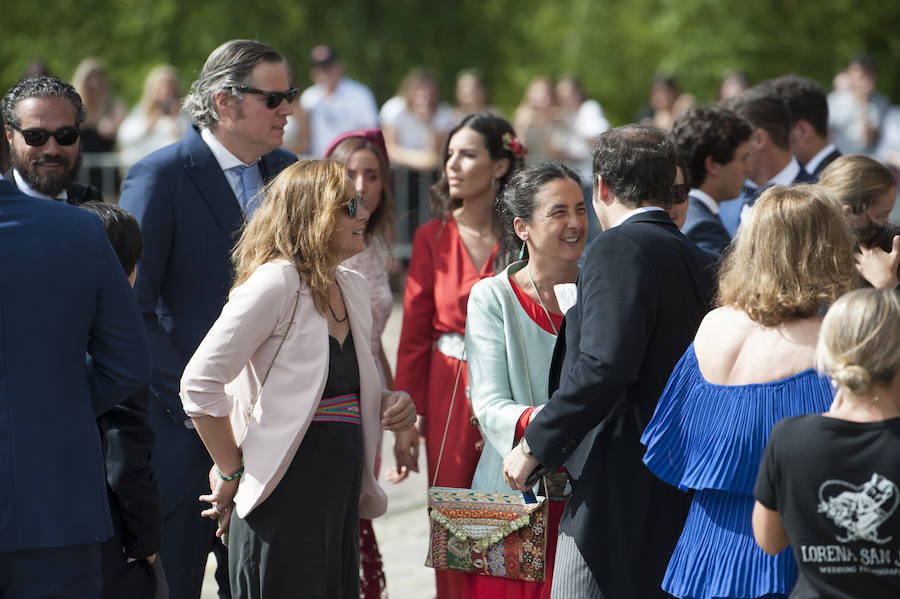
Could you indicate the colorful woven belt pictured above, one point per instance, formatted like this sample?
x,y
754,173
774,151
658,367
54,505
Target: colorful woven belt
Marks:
x,y
342,408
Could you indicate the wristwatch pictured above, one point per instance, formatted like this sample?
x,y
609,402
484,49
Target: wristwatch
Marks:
x,y
523,446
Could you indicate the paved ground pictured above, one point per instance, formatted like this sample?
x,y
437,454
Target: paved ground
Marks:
x,y
402,531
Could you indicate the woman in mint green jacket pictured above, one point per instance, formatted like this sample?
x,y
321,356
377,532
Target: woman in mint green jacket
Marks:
x,y
513,318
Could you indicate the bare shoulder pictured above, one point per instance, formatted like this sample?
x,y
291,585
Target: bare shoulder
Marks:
x,y
732,349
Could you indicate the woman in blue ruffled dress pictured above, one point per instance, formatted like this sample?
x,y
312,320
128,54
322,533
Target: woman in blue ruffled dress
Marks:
x,y
750,365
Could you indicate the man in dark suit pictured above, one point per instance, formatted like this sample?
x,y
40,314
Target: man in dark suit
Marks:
x,y
807,106
771,161
63,295
43,115
714,143
191,199
642,292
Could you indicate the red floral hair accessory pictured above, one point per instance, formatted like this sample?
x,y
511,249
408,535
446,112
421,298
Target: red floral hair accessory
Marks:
x,y
512,143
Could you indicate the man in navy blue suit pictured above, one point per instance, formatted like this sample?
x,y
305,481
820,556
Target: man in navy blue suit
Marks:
x,y
191,200
807,105
64,295
771,161
714,143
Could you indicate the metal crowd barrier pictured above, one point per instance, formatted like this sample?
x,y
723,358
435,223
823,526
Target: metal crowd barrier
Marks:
x,y
412,194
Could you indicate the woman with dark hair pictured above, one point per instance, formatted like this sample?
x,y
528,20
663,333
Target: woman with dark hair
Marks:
x,y
513,320
750,365
364,155
450,254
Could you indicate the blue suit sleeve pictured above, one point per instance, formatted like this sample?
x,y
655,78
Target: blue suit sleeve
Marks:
x,y
119,363
615,313
708,234
146,195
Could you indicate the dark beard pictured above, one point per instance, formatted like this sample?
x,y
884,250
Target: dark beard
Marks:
x,y
51,184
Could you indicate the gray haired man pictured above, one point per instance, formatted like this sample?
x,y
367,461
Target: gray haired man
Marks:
x,y
191,200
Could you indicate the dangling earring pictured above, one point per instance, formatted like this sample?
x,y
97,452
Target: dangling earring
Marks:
x,y
522,251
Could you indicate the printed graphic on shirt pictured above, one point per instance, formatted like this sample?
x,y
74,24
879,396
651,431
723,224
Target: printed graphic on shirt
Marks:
x,y
859,510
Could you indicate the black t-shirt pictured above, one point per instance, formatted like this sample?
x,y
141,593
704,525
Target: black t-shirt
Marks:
x,y
835,485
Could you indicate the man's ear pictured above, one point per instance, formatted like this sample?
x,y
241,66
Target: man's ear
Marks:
x,y
759,138
711,166
225,104
602,188
521,228
8,130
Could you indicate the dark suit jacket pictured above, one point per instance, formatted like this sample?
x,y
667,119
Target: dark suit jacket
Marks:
x,y
642,292
77,193
63,295
730,210
190,220
705,228
831,157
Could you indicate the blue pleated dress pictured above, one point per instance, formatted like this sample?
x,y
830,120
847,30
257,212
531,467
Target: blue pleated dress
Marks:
x,y
710,438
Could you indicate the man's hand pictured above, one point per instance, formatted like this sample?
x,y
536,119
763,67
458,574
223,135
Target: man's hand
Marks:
x,y
517,467
406,453
398,413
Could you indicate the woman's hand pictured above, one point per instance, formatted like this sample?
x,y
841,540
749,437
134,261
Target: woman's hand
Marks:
x,y
221,497
879,267
398,412
406,453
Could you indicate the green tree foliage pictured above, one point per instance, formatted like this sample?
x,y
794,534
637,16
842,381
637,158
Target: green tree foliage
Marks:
x,y
616,47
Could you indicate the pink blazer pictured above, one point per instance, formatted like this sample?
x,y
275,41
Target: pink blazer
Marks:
x,y
226,371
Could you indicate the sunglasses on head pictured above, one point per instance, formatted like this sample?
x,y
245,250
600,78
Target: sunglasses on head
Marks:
x,y
35,136
273,99
680,193
354,204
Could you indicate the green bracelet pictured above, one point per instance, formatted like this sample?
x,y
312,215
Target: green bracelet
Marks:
x,y
233,476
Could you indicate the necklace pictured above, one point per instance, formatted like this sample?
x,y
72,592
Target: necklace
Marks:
x,y
538,291
346,313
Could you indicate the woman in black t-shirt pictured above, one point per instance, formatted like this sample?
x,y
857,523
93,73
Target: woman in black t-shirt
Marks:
x,y
830,484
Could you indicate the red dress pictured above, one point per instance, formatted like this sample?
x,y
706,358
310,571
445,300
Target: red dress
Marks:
x,y
440,277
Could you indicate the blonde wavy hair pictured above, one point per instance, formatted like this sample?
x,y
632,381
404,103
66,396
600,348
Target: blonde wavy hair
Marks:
x,y
857,181
794,257
859,339
295,222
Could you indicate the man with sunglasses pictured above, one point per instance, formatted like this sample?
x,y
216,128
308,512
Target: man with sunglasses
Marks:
x,y
191,200
42,116
715,145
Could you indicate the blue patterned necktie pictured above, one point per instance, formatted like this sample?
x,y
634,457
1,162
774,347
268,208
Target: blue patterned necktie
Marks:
x,y
249,188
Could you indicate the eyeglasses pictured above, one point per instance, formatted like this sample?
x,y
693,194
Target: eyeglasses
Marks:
x,y
354,204
273,99
680,193
64,136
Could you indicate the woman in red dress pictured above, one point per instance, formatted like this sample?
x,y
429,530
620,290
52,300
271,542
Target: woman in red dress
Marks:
x,y
450,254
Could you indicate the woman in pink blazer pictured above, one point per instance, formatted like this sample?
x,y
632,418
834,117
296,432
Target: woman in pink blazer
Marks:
x,y
285,394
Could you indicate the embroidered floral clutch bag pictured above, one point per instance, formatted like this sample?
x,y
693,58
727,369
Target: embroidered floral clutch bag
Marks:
x,y
496,534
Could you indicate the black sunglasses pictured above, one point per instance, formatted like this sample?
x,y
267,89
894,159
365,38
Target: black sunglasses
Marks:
x,y
680,193
273,99
64,136
354,204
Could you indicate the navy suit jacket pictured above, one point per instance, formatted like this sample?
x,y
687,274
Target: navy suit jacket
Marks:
x,y
190,220
63,294
642,292
730,210
705,228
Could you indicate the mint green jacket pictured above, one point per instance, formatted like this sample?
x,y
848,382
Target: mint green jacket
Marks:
x,y
508,358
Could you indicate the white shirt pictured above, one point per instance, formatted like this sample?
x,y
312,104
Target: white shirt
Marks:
x,y
815,160
785,177
228,161
351,106
640,210
30,191
705,199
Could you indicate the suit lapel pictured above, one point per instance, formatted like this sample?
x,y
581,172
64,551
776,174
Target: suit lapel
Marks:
x,y
204,171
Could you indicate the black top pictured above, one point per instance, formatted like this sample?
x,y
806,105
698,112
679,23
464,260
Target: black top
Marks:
x,y
343,371
834,484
